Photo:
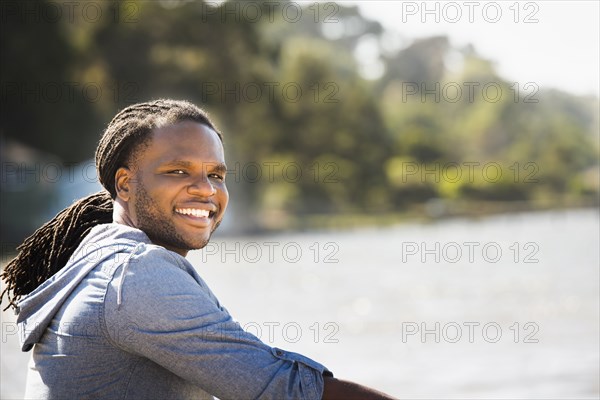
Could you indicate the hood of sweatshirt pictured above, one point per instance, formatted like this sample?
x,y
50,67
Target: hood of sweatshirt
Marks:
x,y
36,310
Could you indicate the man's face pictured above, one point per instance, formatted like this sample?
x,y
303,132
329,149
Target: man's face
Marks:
x,y
177,190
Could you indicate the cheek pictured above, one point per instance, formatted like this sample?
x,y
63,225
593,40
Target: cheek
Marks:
x,y
224,195
160,190
150,195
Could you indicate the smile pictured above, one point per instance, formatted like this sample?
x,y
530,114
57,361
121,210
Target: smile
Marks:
x,y
194,212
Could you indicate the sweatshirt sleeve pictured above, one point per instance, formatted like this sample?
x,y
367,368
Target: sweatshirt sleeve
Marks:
x,y
156,309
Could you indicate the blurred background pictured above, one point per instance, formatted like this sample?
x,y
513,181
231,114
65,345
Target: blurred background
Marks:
x,y
398,171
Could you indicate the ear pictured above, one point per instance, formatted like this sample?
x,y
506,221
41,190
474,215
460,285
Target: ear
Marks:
x,y
123,178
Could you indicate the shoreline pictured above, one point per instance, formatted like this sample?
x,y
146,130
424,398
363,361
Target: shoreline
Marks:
x,y
432,211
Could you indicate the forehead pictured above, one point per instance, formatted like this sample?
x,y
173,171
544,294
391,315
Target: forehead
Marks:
x,y
186,140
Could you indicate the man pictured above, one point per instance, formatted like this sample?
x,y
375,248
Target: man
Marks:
x,y
110,305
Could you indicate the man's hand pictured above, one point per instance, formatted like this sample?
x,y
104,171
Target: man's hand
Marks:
x,y
344,390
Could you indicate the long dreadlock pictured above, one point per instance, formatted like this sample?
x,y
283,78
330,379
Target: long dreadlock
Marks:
x,y
45,252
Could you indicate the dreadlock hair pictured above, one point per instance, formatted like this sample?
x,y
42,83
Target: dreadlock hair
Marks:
x,y
48,249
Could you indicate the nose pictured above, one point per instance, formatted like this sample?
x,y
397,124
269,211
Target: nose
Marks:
x,y
201,187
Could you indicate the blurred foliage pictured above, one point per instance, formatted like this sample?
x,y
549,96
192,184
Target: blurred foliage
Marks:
x,y
288,91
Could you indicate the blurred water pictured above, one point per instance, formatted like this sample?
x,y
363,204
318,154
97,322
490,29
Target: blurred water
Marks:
x,y
515,299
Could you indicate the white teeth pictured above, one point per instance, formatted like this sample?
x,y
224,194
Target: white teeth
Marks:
x,y
193,212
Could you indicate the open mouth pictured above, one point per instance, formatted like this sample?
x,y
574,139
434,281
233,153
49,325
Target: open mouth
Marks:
x,y
195,212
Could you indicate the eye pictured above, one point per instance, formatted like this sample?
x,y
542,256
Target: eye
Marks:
x,y
177,172
217,176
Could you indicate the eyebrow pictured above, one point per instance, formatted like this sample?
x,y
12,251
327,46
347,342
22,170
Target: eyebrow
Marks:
x,y
220,168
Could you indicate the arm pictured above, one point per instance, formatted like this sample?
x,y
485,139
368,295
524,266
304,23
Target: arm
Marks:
x,y
336,389
172,319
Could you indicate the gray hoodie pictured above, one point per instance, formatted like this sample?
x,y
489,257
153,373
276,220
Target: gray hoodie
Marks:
x,y
129,319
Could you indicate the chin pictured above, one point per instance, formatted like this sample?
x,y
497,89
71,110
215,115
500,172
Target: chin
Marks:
x,y
200,241
199,244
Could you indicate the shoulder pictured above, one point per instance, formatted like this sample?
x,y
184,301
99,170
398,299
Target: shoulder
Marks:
x,y
157,290
150,267
120,245
150,274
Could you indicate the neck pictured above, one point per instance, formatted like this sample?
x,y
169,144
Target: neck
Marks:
x,y
120,213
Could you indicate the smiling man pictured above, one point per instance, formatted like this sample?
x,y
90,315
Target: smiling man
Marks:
x,y
176,192
107,300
